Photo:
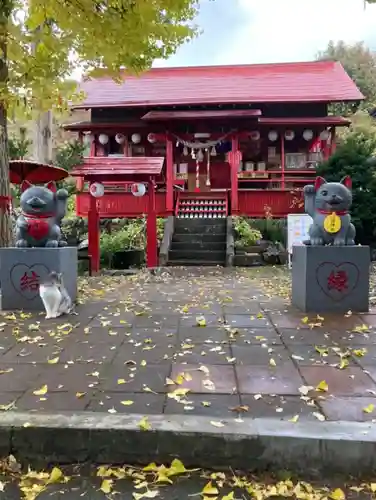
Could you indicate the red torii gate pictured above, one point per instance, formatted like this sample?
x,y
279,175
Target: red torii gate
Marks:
x,y
128,170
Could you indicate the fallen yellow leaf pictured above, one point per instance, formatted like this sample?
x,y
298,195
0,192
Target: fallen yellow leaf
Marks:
x,y
369,408
305,320
40,392
230,496
80,394
56,475
121,381
201,321
209,489
129,402
217,424
322,386
272,362
337,494
106,486
53,361
294,419
144,424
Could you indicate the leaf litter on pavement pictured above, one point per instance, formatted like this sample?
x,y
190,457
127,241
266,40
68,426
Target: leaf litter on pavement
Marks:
x,y
195,298
160,481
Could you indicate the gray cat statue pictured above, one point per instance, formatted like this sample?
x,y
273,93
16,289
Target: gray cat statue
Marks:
x,y
43,208
328,203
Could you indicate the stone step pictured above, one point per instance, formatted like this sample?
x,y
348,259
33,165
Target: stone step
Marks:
x,y
203,229
195,263
191,237
199,245
197,255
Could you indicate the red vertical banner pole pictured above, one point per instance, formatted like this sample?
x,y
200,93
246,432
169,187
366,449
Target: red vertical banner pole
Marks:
x,y
283,160
94,234
235,158
151,229
333,143
169,176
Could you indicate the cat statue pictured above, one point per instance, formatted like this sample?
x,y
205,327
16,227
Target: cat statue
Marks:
x,y
42,210
328,203
55,297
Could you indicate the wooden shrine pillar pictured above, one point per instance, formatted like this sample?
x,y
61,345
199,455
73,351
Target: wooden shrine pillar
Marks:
x,y
169,176
94,234
234,160
151,229
283,160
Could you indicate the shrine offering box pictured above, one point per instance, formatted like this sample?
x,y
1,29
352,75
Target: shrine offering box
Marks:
x,y
330,278
21,270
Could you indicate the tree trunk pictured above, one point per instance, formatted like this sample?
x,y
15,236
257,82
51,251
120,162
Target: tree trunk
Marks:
x,y
42,140
6,233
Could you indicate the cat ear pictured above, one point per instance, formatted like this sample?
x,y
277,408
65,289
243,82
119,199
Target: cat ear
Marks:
x,y
319,181
25,185
346,181
51,186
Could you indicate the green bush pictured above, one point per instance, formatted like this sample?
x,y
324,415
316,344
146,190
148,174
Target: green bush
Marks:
x,y
274,230
245,234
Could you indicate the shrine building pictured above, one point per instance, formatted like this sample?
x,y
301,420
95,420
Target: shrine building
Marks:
x,y
216,140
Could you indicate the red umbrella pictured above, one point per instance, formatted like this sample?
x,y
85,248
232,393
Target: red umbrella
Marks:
x,y
34,172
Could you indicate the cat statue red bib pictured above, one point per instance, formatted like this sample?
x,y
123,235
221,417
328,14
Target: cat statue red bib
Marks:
x,y
43,208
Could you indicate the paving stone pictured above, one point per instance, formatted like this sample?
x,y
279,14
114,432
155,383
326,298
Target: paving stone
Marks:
x,y
252,307
151,353
54,401
365,356
151,377
268,380
198,334
157,321
349,382
190,320
33,353
293,336
161,336
358,338
280,407
8,400
259,355
253,336
90,351
100,334
206,353
368,319
114,319
319,354
220,379
213,405
77,377
18,377
287,319
121,401
350,408
246,321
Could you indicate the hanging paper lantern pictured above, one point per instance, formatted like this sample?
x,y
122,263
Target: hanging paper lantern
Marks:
x,y
289,135
200,155
308,134
138,189
136,138
120,138
96,189
193,154
103,139
88,139
255,135
185,151
152,138
213,151
324,136
273,136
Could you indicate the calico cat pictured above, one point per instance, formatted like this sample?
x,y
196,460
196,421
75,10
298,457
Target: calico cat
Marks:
x,y
55,297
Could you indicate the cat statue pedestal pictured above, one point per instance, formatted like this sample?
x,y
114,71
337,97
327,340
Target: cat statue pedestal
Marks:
x,y
22,269
330,278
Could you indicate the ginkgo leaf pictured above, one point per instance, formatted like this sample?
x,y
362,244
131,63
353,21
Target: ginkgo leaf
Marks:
x,y
144,424
337,494
369,408
272,362
177,467
128,402
230,496
106,486
56,475
147,494
322,386
305,320
80,395
294,419
53,361
40,392
209,489
200,321
169,381
217,424
121,381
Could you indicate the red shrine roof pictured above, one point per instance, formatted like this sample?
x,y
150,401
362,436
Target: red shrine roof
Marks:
x,y
320,81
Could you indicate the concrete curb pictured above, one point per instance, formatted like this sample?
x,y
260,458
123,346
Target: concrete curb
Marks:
x,y
253,444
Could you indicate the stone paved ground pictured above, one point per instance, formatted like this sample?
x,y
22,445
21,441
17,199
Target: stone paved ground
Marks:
x,y
141,350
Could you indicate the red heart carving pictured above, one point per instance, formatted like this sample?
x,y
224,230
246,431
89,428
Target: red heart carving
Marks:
x,y
337,281
25,279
